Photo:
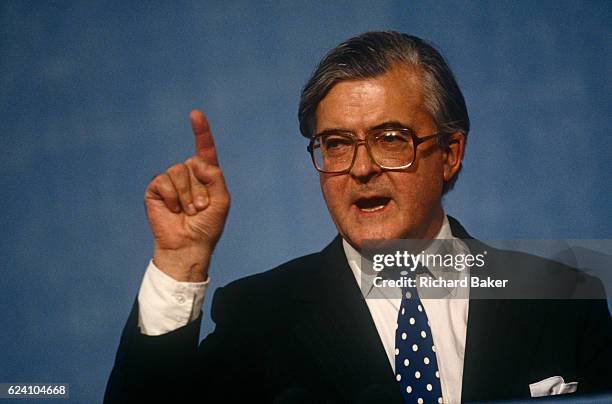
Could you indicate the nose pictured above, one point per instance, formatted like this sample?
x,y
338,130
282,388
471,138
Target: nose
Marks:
x,y
364,166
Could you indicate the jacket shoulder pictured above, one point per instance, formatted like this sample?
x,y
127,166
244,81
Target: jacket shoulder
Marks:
x,y
535,277
282,276
267,294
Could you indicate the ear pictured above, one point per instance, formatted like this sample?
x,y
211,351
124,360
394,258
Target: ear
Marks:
x,y
453,155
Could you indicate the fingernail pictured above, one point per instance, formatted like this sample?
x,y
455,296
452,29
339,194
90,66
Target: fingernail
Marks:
x,y
191,209
201,202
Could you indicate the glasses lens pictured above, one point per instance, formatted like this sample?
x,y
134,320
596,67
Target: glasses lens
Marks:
x,y
392,149
333,153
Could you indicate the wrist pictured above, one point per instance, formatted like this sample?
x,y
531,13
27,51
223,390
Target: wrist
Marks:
x,y
183,265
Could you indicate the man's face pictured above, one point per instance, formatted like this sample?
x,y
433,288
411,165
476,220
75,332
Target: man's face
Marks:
x,y
371,203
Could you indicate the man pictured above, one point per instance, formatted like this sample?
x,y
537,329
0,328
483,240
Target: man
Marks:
x,y
304,332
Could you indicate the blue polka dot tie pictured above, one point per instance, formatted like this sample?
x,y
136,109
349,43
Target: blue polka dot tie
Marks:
x,y
416,365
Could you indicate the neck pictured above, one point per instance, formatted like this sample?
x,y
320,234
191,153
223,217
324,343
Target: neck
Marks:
x,y
432,226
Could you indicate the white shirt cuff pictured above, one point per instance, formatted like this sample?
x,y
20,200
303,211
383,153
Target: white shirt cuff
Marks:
x,y
166,304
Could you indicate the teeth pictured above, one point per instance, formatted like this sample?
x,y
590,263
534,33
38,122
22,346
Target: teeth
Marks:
x,y
374,209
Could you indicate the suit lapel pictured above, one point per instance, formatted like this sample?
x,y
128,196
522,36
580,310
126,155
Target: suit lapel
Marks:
x,y
338,330
492,355
500,338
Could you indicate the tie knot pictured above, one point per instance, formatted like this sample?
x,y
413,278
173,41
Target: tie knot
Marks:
x,y
396,274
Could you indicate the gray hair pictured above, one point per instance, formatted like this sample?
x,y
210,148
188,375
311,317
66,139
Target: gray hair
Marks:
x,y
372,54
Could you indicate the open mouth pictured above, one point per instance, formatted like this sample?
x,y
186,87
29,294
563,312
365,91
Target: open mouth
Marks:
x,y
372,204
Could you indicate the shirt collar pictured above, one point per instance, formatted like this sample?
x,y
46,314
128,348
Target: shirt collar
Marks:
x,y
444,233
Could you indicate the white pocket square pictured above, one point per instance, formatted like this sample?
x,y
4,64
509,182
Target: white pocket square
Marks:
x,y
551,387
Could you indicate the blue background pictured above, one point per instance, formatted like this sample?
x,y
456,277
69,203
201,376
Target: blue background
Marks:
x,y
95,101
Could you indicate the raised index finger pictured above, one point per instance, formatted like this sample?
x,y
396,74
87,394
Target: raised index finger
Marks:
x,y
204,143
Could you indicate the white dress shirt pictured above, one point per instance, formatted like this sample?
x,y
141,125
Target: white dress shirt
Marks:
x,y
166,304
447,318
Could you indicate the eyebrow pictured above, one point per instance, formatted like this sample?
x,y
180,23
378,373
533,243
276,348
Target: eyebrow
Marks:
x,y
391,125
384,125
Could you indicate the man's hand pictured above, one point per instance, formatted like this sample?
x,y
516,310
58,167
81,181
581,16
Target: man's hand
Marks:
x,y
186,207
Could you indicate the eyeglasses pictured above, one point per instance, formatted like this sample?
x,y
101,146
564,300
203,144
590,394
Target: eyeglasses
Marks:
x,y
390,149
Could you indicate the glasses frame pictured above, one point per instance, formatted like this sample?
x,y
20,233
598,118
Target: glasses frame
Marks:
x,y
416,141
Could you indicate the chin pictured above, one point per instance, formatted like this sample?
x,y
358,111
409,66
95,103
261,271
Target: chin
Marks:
x,y
357,238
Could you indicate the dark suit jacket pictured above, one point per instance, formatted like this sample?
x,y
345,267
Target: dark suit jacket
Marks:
x,y
302,332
